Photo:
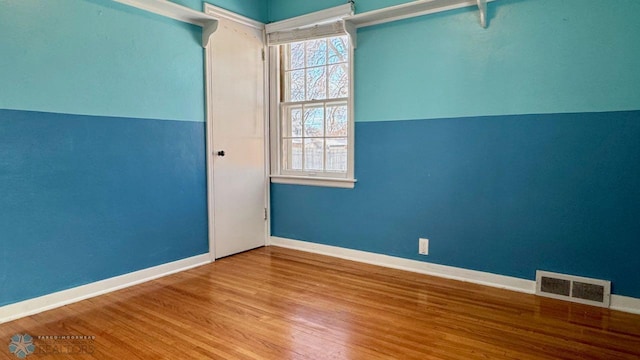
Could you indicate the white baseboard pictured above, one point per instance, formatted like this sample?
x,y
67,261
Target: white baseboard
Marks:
x,y
625,303
51,301
618,302
449,272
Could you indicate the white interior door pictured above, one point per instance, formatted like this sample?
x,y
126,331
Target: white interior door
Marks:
x,y
236,127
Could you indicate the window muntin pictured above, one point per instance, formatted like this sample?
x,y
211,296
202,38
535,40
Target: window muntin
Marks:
x,y
315,107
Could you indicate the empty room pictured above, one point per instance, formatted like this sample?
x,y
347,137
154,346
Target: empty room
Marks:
x,y
328,179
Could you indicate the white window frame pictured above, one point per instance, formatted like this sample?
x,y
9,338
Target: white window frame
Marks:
x,y
307,24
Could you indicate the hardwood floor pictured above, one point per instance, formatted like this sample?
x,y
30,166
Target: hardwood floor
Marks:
x,y
275,303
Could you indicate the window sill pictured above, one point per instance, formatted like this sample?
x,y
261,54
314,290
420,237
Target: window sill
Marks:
x,y
314,181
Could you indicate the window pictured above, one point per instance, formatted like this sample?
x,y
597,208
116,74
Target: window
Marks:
x,y
314,112
314,106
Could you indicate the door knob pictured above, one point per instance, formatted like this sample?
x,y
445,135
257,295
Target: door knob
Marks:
x,y
221,153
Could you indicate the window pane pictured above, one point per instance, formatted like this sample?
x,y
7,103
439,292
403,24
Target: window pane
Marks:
x,y
292,154
337,117
295,56
338,50
338,81
292,121
294,89
316,52
316,83
314,121
337,154
313,154
315,124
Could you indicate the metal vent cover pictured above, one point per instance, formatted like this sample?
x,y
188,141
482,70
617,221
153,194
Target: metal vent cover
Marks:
x,y
573,288
555,286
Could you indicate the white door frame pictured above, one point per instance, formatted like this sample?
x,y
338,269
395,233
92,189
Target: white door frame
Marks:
x,y
219,13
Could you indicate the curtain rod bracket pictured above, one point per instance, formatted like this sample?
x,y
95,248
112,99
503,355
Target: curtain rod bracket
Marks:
x,y
482,6
208,28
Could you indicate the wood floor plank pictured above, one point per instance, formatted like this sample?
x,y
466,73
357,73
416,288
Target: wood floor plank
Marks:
x,y
275,303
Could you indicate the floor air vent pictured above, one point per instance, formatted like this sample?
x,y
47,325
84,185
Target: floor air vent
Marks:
x,y
573,288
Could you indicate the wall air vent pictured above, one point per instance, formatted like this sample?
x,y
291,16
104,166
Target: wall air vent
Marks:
x,y
573,288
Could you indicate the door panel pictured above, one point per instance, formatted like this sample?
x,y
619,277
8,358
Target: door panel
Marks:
x,y
237,119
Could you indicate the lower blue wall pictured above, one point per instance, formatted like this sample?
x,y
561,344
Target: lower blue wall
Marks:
x,y
84,198
502,194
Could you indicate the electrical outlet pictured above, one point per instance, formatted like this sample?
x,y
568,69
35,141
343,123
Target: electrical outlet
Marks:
x,y
423,246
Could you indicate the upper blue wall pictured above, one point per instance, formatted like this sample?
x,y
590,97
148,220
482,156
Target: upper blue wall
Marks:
x,y
283,9
98,57
540,56
254,9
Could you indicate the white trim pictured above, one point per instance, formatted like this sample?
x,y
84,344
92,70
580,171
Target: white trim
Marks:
x,y
273,97
51,301
448,272
412,9
482,7
351,142
314,181
172,10
209,149
309,33
332,14
220,13
267,135
351,30
625,303
618,302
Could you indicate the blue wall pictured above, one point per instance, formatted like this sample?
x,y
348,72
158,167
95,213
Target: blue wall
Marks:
x,y
99,57
529,60
254,9
86,198
283,9
512,148
503,194
102,160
